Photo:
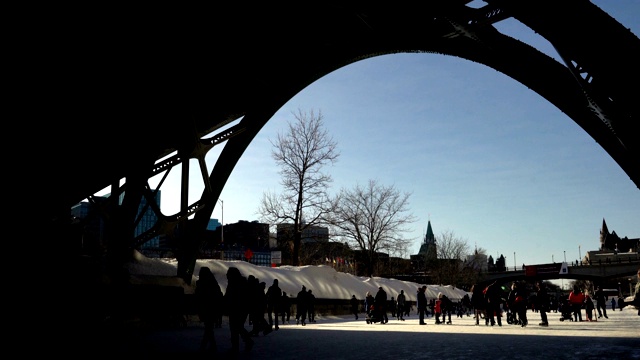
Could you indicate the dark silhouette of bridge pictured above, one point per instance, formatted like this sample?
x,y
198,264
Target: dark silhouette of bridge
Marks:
x,y
598,273
139,104
129,95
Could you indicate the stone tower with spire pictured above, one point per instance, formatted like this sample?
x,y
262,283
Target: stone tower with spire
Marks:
x,y
603,235
610,241
429,248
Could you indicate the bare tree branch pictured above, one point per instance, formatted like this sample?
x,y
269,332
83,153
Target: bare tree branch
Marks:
x,y
373,219
451,252
301,153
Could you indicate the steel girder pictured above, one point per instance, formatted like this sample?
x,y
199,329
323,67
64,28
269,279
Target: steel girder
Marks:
x,y
146,89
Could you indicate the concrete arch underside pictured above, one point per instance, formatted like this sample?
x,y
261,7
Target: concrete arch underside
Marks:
x,y
148,89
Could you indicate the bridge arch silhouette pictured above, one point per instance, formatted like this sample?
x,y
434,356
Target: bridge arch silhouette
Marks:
x,y
134,87
142,96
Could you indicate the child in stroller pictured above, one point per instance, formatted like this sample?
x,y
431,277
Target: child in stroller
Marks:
x,y
565,311
373,315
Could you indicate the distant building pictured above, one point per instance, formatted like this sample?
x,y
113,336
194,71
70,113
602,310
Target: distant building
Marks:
x,y
311,238
147,221
284,232
247,234
213,224
93,228
478,262
428,253
496,265
612,242
241,239
612,248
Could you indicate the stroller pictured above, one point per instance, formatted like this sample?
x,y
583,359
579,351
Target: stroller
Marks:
x,y
566,312
373,315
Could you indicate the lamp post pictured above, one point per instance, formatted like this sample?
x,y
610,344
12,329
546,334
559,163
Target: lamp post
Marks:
x,y
221,221
579,255
552,260
222,228
515,264
565,255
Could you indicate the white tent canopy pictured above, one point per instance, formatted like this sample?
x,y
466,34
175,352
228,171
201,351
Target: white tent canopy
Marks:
x,y
325,281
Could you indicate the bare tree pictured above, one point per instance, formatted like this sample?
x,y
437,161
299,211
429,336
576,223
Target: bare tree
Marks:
x,y
451,252
472,269
582,285
373,219
301,153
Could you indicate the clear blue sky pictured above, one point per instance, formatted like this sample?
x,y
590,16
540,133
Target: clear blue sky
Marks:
x,y
482,155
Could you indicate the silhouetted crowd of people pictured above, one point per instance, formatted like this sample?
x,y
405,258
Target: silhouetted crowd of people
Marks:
x,y
246,298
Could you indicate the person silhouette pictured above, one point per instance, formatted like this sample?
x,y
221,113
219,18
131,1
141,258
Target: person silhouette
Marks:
x,y
285,307
601,302
576,300
208,301
355,304
236,299
400,300
380,302
301,306
311,306
274,296
542,302
368,303
422,304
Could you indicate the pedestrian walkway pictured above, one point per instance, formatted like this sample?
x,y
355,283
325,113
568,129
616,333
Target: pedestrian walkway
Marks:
x,y
342,337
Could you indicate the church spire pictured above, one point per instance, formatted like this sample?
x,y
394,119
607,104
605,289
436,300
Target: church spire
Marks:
x,y
429,248
429,238
604,229
604,233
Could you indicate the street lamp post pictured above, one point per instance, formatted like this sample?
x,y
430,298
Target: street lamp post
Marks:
x,y
515,264
552,260
221,221
222,228
579,255
565,255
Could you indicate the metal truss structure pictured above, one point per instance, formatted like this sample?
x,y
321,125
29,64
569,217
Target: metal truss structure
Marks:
x,y
155,89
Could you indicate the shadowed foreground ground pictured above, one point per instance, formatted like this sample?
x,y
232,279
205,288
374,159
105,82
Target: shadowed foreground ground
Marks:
x,y
343,338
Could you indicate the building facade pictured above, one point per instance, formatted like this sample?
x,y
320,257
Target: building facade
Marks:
x,y
93,226
428,253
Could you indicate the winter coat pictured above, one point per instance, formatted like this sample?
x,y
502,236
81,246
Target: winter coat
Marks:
x,y
477,298
542,300
236,298
576,298
400,301
446,304
422,300
208,297
355,303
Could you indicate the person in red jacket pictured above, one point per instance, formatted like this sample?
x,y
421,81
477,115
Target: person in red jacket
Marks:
x,y
576,299
437,309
